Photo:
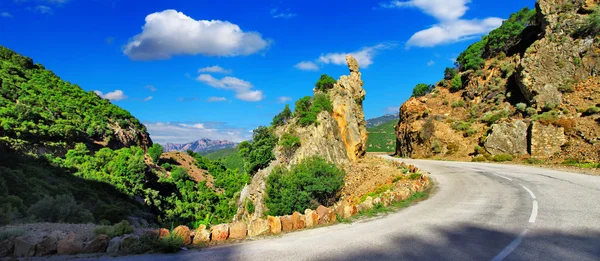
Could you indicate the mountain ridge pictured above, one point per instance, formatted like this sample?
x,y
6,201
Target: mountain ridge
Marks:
x,y
202,145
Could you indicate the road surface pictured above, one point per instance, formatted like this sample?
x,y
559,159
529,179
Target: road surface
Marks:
x,y
479,212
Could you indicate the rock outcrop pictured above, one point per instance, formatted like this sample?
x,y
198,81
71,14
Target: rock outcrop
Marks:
x,y
538,99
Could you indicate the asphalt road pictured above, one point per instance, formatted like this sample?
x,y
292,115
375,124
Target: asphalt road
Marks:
x,y
479,212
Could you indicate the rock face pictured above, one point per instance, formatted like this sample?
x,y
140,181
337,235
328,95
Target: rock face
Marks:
x,y
546,140
129,136
507,138
519,99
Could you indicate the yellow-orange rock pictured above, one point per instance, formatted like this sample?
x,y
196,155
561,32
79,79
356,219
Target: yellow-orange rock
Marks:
x,y
298,221
286,223
274,224
238,230
219,232
185,233
201,235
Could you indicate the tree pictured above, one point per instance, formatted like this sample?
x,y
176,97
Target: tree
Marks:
x,y
449,73
507,36
259,153
155,151
457,83
422,89
325,83
283,117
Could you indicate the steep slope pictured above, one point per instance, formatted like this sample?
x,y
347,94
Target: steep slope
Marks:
x,y
382,138
528,89
201,146
41,113
381,120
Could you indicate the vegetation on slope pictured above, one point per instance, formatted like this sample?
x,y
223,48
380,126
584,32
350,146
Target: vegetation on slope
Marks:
x,y
382,137
230,158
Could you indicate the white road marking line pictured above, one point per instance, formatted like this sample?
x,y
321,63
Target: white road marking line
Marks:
x,y
530,192
511,247
502,176
534,212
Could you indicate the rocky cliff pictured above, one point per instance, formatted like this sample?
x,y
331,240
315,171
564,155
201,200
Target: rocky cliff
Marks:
x,y
536,96
201,146
339,137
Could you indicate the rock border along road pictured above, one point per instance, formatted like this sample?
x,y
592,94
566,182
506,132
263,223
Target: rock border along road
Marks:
x,y
479,212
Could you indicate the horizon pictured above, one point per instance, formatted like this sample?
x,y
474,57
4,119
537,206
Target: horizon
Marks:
x,y
190,71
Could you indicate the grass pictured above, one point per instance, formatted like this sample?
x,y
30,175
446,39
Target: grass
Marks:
x,y
382,138
379,209
577,163
119,229
10,233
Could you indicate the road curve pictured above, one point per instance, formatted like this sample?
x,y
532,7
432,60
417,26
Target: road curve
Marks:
x,y
479,212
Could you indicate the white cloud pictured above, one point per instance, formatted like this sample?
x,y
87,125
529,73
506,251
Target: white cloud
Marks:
x,y
430,63
170,33
216,99
307,66
148,98
42,9
453,31
364,56
112,96
283,99
214,69
451,28
392,109
151,88
243,89
6,15
166,132
284,15
440,9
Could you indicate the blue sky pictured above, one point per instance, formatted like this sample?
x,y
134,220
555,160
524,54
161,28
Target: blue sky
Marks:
x,y
218,69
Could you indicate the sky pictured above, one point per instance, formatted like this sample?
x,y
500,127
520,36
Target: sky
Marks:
x,y
219,69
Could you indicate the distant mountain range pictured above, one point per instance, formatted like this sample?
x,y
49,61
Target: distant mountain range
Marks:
x,y
380,120
201,146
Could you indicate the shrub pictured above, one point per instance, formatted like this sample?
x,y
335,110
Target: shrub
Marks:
x,y
155,151
449,73
461,125
502,157
289,143
309,184
472,58
325,83
60,209
11,233
283,117
122,228
459,103
533,161
427,130
422,89
522,107
470,132
507,36
479,158
169,244
591,110
591,26
457,83
259,153
491,118
250,206
308,108
436,147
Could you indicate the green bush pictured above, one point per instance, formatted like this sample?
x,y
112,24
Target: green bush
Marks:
x,y
461,125
155,151
491,117
522,107
591,26
508,35
459,103
472,58
60,209
325,83
169,244
449,73
479,158
122,228
259,153
422,89
457,83
308,108
250,206
289,141
309,184
283,117
502,158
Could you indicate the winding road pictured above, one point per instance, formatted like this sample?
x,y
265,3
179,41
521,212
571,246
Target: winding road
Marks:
x,y
478,212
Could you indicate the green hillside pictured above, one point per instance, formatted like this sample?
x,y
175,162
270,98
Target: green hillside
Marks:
x,y
231,158
382,137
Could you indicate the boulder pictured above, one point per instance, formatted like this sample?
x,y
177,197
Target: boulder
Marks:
x,y
47,246
286,223
274,224
202,235
332,216
546,140
298,221
311,218
238,230
97,245
7,247
323,213
258,227
163,232
349,211
219,232
72,245
507,138
183,232
24,246
367,204
114,246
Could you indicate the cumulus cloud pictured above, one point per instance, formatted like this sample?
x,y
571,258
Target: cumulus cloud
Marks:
x,y
151,88
42,9
214,69
216,99
6,15
284,15
451,28
243,89
173,132
170,33
283,99
112,96
307,66
148,98
364,56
